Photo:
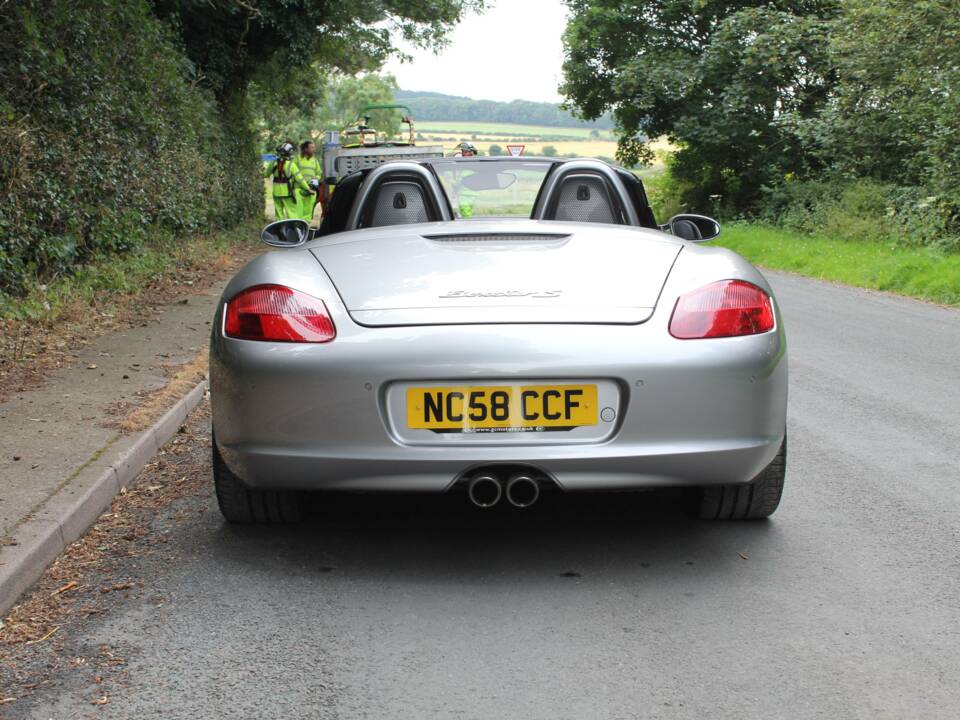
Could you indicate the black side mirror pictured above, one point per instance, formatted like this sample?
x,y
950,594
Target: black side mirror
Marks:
x,y
286,233
695,228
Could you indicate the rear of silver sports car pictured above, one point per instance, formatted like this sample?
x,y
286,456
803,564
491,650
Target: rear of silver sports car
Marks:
x,y
586,358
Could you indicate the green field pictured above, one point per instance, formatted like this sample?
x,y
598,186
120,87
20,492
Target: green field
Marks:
x,y
918,272
505,130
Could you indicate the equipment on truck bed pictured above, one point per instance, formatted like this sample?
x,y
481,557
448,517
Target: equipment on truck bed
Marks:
x,y
359,146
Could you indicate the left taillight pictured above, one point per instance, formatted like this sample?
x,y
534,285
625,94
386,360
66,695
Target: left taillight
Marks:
x,y
276,313
728,308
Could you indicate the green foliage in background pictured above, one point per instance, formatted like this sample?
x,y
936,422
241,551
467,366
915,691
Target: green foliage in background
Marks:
x,y
107,141
828,116
713,76
895,114
861,209
130,121
237,41
329,101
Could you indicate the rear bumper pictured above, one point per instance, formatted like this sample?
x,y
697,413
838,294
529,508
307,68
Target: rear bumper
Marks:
x,y
604,468
318,417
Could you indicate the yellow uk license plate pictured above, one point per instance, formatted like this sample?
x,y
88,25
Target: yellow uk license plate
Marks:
x,y
507,408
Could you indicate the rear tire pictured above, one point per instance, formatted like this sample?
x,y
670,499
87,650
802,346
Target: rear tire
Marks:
x,y
752,501
245,505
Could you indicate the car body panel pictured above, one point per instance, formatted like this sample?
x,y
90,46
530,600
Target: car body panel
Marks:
x,y
688,412
497,271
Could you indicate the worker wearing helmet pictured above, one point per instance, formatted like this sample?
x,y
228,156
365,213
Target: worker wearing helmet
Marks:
x,y
466,149
306,180
465,198
284,201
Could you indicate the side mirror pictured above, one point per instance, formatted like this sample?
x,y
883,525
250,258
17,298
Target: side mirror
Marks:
x,y
286,233
695,228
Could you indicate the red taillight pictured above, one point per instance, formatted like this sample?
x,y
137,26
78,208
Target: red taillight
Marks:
x,y
278,314
722,309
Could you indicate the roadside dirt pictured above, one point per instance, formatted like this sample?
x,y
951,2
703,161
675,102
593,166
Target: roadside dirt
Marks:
x,y
31,350
135,417
39,637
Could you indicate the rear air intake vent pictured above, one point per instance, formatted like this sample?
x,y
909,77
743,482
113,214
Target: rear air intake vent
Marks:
x,y
498,237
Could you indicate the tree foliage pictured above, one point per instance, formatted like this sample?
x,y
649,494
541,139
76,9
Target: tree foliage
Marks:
x,y
235,41
122,121
895,114
333,103
804,109
714,76
105,142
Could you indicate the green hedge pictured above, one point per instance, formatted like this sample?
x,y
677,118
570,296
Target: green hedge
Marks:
x,y
108,138
863,210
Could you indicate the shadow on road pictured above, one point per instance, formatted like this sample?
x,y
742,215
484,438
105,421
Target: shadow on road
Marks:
x,y
427,538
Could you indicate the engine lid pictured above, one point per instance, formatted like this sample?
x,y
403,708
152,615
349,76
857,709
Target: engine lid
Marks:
x,y
498,272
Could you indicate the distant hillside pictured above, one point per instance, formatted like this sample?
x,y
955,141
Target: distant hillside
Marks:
x,y
437,106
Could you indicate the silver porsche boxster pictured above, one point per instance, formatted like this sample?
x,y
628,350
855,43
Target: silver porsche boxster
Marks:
x,y
497,327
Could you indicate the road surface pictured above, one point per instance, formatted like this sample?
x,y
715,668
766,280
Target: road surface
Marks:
x,y
845,605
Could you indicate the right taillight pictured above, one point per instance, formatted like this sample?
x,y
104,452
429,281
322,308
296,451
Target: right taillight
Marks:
x,y
722,309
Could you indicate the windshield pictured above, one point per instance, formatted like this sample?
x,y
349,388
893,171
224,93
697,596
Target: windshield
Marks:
x,y
504,188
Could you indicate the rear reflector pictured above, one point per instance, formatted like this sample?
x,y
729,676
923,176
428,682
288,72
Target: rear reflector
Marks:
x,y
722,309
276,313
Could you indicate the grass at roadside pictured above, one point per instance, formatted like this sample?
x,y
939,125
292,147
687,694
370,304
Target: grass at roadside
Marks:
x,y
917,272
109,278
42,329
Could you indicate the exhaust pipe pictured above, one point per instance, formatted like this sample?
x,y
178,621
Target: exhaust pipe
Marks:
x,y
522,491
484,490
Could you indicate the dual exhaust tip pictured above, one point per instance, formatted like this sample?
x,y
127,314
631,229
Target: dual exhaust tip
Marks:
x,y
486,490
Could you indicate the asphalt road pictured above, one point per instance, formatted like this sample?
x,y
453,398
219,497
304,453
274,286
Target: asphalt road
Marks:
x,y
845,605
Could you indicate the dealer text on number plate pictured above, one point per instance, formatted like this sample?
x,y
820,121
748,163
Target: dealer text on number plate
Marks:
x,y
508,408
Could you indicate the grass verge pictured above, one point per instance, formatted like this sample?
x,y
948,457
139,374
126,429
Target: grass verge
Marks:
x,y
43,329
109,278
917,272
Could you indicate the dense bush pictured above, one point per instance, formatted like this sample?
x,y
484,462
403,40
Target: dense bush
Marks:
x,y
108,138
862,210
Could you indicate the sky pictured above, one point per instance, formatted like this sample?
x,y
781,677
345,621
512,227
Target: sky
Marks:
x,y
513,51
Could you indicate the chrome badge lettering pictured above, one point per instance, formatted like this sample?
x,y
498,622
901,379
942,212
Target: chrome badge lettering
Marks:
x,y
502,294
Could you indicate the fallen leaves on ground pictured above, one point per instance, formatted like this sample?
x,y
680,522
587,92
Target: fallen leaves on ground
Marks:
x,y
31,349
86,579
152,408
69,586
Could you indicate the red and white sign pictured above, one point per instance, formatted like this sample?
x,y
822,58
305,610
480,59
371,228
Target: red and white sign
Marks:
x,y
515,150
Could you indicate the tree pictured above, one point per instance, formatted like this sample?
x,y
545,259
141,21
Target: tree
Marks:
x,y
280,45
231,42
548,151
334,102
714,76
495,150
895,114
